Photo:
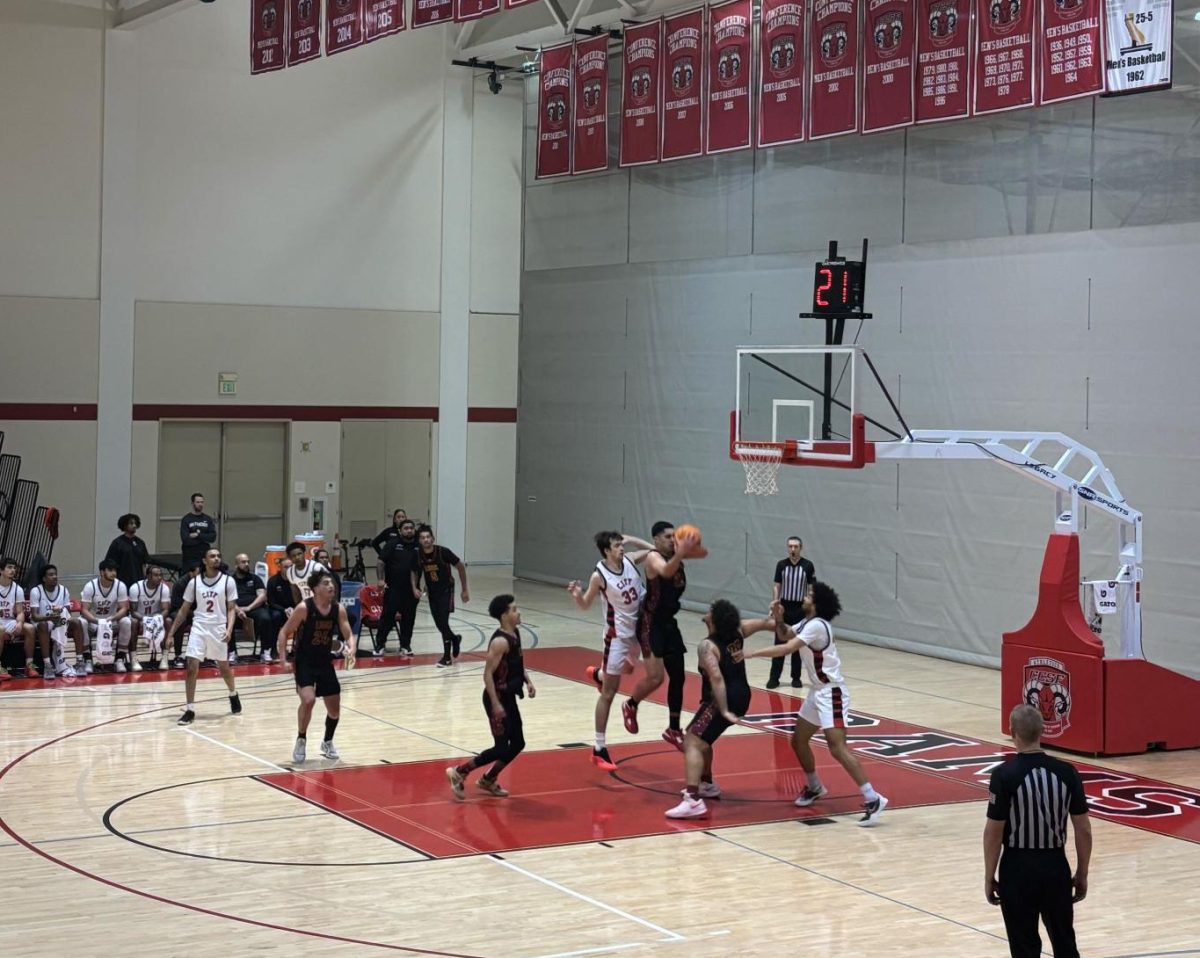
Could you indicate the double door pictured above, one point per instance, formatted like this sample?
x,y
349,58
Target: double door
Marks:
x,y
241,470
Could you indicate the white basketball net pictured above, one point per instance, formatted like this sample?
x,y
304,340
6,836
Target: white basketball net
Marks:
x,y
762,468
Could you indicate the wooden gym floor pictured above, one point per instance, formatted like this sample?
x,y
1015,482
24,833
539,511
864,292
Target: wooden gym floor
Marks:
x,y
126,834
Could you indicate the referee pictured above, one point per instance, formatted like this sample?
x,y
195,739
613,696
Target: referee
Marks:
x,y
793,576
1032,795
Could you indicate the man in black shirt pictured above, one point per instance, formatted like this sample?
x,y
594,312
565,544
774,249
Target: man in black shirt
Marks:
x,y
793,576
398,559
197,533
399,517
280,601
437,563
128,552
1031,797
252,613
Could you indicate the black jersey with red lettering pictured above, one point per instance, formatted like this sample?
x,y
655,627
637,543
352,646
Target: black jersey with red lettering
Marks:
x,y
737,686
510,673
314,641
436,567
663,596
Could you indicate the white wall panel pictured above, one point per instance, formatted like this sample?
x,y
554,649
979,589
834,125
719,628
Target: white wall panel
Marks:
x,y
493,360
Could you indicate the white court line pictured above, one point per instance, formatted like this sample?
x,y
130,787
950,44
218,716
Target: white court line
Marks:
x,y
593,951
253,758
667,935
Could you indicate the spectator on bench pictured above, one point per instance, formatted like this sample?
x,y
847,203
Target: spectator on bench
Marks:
x,y
50,610
13,627
252,613
280,602
147,598
105,598
127,551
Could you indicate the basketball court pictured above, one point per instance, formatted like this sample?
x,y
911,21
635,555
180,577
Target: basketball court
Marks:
x,y
206,840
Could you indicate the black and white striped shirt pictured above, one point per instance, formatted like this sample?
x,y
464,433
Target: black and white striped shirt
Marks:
x,y
794,579
1034,794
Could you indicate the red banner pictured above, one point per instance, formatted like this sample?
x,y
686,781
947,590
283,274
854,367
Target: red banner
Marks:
x,y
1003,69
382,19
943,60
343,25
554,112
1070,61
727,120
304,31
640,113
428,12
268,27
474,9
589,138
781,80
682,85
833,81
889,45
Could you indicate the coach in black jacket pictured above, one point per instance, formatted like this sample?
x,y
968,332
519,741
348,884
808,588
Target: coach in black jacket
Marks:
x,y
127,551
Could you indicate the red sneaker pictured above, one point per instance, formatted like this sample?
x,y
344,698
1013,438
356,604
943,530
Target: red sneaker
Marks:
x,y
593,674
629,714
674,737
601,759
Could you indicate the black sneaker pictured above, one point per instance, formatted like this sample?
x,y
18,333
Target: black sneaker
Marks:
x,y
235,704
772,683
795,683
186,718
444,661
456,645
872,811
178,663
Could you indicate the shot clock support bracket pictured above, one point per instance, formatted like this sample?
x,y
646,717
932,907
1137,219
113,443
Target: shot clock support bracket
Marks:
x,y
838,288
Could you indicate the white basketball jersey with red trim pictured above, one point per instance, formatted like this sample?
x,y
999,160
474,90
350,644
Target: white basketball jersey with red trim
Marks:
x,y
146,601
819,654
104,604
623,597
12,601
211,599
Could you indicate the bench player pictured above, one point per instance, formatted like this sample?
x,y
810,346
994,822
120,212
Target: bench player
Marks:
x,y
13,627
149,604
106,599
50,611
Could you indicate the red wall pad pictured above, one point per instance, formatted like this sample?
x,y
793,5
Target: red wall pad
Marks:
x,y
1091,704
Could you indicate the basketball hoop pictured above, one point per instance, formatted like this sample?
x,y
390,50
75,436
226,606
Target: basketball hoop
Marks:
x,y
761,460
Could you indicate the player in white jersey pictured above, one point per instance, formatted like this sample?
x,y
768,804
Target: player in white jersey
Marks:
x,y
13,627
827,705
616,579
300,571
149,603
50,611
105,599
213,595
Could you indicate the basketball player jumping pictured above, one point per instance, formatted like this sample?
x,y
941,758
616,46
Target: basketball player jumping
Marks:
x,y
827,704
313,624
213,595
724,698
616,579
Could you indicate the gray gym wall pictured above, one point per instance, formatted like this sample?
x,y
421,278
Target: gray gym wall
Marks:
x,y
1030,271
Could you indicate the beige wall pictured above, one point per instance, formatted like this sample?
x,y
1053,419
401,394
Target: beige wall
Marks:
x,y
48,349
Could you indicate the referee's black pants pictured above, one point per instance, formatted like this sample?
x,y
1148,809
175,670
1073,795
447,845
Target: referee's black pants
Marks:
x,y
1037,884
793,612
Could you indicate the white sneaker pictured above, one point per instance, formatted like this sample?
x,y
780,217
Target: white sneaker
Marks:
x,y
88,668
66,672
688,808
120,666
872,811
810,795
710,790
329,750
299,750
136,666
265,658
163,664
48,673
233,660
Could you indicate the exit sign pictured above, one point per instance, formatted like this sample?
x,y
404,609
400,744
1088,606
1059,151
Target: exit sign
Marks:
x,y
227,384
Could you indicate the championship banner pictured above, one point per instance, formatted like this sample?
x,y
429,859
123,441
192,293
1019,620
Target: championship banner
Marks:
x,y
889,42
682,83
640,113
730,70
781,80
304,31
943,60
1138,45
428,12
268,27
474,9
1070,41
1003,69
833,81
554,112
589,137
383,18
343,25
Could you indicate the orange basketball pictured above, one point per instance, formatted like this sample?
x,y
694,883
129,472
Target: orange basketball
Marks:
x,y
687,529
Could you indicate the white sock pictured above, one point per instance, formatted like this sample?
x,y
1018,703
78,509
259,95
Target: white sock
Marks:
x,y
191,707
868,792
814,780
600,739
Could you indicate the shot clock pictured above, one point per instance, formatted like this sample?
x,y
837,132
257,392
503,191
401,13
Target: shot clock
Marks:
x,y
838,288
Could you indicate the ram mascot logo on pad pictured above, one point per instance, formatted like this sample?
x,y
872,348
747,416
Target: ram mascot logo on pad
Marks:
x,y
1048,689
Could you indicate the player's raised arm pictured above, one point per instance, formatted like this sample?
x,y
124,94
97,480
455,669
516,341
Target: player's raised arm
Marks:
x,y
584,599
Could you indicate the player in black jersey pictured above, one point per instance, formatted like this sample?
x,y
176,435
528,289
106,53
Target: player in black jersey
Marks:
x,y
724,698
437,564
504,681
658,632
316,624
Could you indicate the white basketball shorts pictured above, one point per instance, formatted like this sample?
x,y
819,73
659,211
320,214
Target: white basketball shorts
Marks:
x,y
207,642
620,654
827,706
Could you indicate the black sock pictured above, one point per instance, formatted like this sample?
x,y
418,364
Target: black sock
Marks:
x,y
330,728
301,735
673,722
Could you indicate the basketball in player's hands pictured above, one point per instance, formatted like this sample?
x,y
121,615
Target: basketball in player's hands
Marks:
x,y
687,541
